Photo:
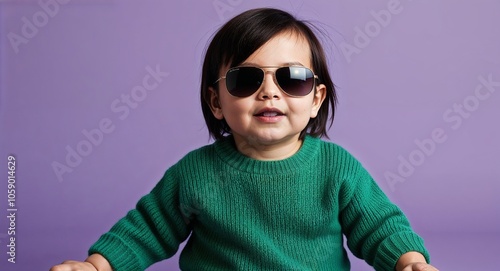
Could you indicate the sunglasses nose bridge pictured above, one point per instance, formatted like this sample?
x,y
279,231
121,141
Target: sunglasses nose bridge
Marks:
x,y
271,75
269,87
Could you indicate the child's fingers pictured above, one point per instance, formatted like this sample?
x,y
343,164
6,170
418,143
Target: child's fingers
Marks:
x,y
420,267
73,266
426,267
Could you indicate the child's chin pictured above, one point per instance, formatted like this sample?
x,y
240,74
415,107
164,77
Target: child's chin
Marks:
x,y
269,139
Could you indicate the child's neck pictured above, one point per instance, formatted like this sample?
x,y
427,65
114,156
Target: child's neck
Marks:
x,y
267,151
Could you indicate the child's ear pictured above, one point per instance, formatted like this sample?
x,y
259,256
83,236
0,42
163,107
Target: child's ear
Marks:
x,y
319,97
215,104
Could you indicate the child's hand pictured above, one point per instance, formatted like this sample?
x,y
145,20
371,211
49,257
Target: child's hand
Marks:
x,y
94,262
74,266
419,267
413,261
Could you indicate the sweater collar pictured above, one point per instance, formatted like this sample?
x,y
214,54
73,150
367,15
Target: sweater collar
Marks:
x,y
226,151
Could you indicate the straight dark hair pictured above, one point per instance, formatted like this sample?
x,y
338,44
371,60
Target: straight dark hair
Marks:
x,y
242,36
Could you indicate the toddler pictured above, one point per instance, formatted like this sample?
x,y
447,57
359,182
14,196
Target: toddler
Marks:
x,y
268,194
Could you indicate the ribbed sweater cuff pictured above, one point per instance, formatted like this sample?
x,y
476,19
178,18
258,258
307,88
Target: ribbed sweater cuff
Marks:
x,y
396,245
120,256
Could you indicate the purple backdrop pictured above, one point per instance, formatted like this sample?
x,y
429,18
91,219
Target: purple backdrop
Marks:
x,y
98,98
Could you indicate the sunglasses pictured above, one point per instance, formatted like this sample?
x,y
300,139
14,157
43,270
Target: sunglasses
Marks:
x,y
244,81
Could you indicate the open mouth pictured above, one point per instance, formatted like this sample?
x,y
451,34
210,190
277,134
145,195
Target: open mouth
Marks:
x,y
269,112
269,115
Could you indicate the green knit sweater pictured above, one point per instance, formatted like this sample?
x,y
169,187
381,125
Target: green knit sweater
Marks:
x,y
246,214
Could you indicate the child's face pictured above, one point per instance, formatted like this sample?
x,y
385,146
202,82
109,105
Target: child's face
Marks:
x,y
244,115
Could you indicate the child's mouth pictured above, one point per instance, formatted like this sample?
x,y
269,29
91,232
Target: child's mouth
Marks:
x,y
269,115
269,112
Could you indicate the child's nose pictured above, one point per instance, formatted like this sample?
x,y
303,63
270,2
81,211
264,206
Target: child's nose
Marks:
x,y
269,88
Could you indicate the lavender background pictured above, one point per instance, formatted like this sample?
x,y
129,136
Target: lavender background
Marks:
x,y
401,83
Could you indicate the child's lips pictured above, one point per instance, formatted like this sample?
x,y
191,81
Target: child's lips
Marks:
x,y
269,112
269,115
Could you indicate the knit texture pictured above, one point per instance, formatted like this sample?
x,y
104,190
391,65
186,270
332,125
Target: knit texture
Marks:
x,y
246,214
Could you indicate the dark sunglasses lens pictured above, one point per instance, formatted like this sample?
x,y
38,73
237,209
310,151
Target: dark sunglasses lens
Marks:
x,y
296,81
244,81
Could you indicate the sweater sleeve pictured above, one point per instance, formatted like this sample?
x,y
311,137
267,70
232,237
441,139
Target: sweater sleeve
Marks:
x,y
147,234
376,229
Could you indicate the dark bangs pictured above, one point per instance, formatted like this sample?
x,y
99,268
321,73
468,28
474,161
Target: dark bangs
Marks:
x,y
241,37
